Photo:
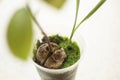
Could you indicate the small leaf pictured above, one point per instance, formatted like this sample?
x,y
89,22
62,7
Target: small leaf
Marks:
x,y
56,3
19,34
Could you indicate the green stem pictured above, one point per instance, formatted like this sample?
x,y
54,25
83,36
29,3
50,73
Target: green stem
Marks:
x,y
88,16
77,8
91,12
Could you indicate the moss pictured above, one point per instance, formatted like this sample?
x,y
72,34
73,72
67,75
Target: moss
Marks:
x,y
72,50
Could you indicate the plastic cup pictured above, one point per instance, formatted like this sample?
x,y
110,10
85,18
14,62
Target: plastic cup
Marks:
x,y
61,74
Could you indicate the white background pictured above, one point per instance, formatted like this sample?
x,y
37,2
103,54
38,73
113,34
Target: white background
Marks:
x,y
101,34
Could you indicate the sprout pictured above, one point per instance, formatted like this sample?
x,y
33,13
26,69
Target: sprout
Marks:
x,y
75,27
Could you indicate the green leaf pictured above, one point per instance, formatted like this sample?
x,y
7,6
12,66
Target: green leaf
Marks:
x,y
20,34
90,13
56,3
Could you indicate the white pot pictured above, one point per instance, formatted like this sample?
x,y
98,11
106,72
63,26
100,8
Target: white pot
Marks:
x,y
61,74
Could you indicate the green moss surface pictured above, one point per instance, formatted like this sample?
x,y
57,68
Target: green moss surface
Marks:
x,y
72,49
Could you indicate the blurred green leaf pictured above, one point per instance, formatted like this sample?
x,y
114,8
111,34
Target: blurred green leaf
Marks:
x,y
56,3
19,34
